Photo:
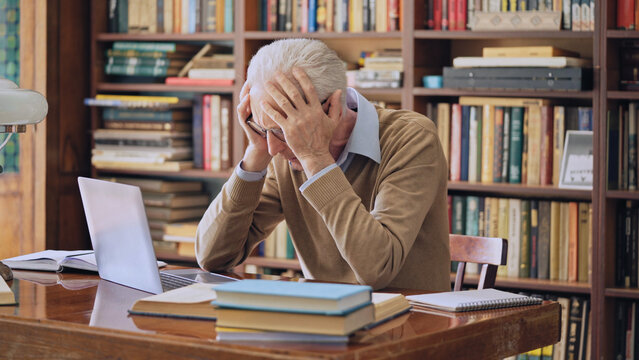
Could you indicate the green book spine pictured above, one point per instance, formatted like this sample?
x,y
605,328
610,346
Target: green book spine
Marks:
x,y
290,249
144,46
524,249
137,61
133,115
515,148
472,215
115,69
458,220
123,16
543,245
228,16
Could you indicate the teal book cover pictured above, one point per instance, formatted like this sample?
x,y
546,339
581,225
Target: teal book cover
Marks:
x,y
292,296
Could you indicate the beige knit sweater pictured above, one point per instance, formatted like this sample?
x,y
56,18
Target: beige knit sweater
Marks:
x,y
378,224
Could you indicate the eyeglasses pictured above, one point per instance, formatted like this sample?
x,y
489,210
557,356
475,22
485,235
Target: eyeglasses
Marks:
x,y
278,133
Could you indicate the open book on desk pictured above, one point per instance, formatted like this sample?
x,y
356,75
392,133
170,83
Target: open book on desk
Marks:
x,y
470,300
57,260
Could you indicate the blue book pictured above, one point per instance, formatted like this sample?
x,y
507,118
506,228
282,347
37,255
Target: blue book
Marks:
x,y
295,297
228,16
465,128
312,15
198,140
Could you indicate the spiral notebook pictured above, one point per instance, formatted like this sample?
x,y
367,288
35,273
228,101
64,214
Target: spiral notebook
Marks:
x,y
470,300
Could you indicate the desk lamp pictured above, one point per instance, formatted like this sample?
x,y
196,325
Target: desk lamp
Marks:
x,y
19,108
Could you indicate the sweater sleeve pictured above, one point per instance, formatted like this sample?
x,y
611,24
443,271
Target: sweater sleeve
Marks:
x,y
240,216
376,243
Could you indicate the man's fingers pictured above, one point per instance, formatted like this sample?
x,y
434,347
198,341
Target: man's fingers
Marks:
x,y
307,85
245,90
335,105
290,90
274,114
280,98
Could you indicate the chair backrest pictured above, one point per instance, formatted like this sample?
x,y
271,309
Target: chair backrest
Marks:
x,y
487,251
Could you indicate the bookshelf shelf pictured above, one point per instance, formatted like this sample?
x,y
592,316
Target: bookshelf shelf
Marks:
x,y
130,87
622,34
184,174
622,293
272,35
273,263
105,37
622,194
532,284
469,35
623,95
518,190
420,91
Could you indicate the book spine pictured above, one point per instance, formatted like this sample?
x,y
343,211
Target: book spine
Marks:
x,y
498,146
524,251
228,16
582,240
514,235
558,143
206,131
144,46
312,15
472,145
465,129
546,156
516,134
455,143
543,240
488,122
534,237
198,150
573,241
625,14
505,159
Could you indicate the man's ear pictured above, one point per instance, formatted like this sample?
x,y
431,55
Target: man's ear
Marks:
x,y
334,108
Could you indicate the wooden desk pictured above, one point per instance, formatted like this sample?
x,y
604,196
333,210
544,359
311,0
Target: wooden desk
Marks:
x,y
80,317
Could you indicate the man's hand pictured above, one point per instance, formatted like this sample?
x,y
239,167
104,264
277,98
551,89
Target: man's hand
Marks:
x,y
256,157
307,127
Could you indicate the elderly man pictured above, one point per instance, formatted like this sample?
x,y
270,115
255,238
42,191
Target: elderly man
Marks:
x,y
362,188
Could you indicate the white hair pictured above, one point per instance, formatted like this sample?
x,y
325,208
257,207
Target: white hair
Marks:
x,y
322,65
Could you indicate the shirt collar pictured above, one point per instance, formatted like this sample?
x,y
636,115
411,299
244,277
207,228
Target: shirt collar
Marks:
x,y
364,139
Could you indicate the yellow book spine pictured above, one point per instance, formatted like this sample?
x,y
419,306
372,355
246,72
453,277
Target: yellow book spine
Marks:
x,y
158,99
488,122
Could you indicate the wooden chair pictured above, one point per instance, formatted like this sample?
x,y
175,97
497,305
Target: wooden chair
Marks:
x,y
487,251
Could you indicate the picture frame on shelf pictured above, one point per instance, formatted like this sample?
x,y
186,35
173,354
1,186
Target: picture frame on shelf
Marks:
x,y
577,161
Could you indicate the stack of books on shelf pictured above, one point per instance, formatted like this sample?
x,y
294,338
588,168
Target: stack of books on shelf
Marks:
x,y
379,69
211,66
622,158
170,16
143,133
546,239
146,61
324,312
575,15
173,209
183,234
329,15
536,68
506,140
626,331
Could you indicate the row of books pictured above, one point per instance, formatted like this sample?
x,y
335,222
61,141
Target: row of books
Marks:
x,y
626,245
577,15
622,147
627,14
170,16
329,15
147,59
629,65
576,332
499,140
626,340
546,239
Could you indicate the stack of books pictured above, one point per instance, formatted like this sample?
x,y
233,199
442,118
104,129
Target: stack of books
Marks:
x,y
183,234
173,205
143,132
380,69
322,311
528,67
147,61
213,65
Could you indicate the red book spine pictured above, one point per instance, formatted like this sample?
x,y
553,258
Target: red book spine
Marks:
x,y
304,12
437,14
452,14
206,130
393,15
546,145
271,18
461,14
626,14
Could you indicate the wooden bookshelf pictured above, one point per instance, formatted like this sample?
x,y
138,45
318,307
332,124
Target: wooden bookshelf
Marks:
x,y
422,49
622,293
543,285
520,190
184,174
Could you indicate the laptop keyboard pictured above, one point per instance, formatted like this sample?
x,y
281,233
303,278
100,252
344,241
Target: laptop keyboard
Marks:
x,y
170,282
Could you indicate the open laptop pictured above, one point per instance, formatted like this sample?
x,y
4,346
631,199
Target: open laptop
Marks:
x,y
122,240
